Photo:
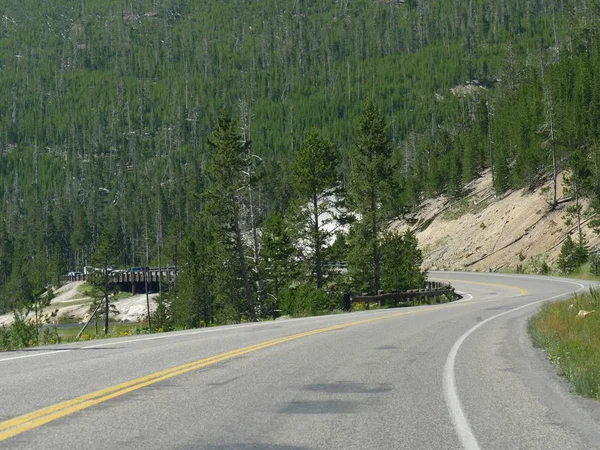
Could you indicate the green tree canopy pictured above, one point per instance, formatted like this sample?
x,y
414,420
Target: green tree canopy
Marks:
x,y
315,175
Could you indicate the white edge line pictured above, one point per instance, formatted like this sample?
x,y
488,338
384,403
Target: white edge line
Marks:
x,y
170,335
107,344
167,336
460,421
34,355
464,299
215,329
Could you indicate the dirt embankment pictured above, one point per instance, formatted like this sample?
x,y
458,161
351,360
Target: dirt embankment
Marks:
x,y
71,304
482,232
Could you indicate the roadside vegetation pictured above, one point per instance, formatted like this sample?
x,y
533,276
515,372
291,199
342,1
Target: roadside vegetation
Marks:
x,y
569,332
22,334
540,266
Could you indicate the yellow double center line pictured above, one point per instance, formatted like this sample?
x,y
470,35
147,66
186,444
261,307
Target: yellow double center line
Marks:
x,y
20,424
521,290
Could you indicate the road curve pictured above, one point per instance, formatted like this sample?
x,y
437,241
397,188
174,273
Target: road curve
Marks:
x,y
460,375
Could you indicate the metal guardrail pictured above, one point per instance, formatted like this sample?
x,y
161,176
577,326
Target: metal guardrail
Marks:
x,y
432,289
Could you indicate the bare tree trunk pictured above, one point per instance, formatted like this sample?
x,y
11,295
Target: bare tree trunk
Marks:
x,y
554,176
249,173
242,257
490,141
255,247
106,314
158,245
317,242
578,209
550,124
376,257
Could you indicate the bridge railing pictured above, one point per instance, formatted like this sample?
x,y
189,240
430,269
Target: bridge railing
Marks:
x,y
154,276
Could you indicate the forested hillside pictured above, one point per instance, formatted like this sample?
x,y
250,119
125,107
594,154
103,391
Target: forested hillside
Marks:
x,y
112,134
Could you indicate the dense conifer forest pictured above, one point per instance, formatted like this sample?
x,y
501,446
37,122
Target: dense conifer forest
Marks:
x,y
179,133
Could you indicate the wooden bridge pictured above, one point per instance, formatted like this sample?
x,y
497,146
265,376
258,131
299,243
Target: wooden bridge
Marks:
x,y
134,280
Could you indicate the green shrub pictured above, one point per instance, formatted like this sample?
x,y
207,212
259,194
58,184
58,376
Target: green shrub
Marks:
x,y
306,301
50,336
19,334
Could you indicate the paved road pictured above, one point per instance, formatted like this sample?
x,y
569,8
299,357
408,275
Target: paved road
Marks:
x,y
461,375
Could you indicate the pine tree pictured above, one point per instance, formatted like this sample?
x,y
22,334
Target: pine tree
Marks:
x,y
6,258
401,261
581,252
314,178
566,260
369,186
226,165
193,304
501,173
279,258
107,254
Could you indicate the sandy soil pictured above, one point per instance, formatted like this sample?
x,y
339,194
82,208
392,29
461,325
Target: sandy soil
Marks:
x,y
72,305
482,232
70,292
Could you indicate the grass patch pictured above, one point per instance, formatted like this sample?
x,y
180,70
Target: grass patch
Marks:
x,y
538,265
87,292
457,210
571,343
426,224
114,330
466,205
583,272
21,334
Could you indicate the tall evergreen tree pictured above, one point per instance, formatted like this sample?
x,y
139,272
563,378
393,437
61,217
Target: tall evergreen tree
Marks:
x,y
225,171
401,261
279,257
106,255
370,182
567,260
315,176
193,305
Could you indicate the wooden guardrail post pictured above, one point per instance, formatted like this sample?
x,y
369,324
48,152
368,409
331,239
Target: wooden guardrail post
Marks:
x,y
347,302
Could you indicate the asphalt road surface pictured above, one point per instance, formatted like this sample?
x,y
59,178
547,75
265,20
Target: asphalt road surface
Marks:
x,y
459,375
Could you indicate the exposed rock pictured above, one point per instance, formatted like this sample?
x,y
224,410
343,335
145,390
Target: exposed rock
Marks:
x,y
481,232
582,314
